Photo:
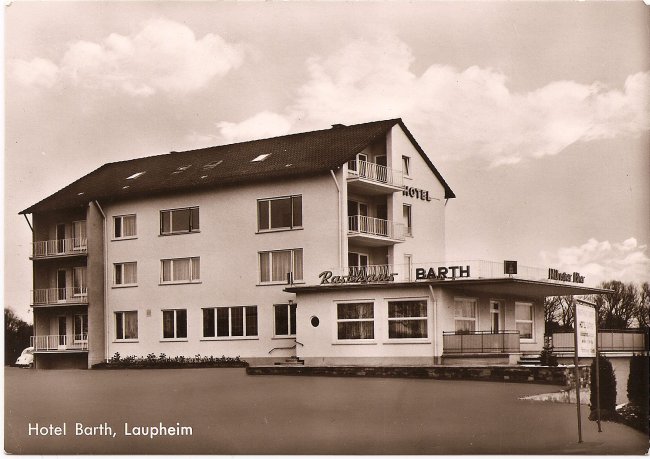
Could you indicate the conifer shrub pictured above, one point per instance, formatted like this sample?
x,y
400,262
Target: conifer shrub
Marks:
x,y
638,381
607,389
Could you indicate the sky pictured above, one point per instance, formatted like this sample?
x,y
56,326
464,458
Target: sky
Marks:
x,y
536,113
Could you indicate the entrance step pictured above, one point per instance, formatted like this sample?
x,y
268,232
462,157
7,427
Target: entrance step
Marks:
x,y
291,361
530,360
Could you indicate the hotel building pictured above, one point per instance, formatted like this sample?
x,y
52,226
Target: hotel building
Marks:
x,y
328,246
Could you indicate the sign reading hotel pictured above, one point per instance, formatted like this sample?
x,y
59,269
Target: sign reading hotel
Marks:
x,y
417,193
554,274
451,272
586,329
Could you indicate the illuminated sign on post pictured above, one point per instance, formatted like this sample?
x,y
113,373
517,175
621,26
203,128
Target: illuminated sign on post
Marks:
x,y
586,329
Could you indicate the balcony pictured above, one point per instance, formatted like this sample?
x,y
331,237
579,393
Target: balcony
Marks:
x,y
368,270
609,341
59,296
60,248
59,343
480,342
374,179
374,231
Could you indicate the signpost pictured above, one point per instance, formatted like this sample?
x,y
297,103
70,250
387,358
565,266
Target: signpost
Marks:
x,y
585,338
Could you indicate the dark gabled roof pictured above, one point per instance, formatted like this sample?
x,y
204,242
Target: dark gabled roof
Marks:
x,y
295,155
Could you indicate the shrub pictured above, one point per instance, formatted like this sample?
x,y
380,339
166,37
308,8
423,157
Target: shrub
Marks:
x,y
637,382
162,361
607,388
547,357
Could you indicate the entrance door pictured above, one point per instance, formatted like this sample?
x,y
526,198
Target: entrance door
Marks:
x,y
495,316
60,238
357,263
61,286
358,210
62,332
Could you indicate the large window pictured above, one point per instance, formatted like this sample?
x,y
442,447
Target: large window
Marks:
x,y
279,213
180,270
355,321
174,323
407,319
285,319
524,320
275,265
126,325
231,321
124,226
465,314
176,221
125,273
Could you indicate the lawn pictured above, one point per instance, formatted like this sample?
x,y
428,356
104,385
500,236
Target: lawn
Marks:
x,y
232,413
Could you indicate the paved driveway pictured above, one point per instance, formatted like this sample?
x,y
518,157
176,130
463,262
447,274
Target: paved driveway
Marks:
x,y
231,413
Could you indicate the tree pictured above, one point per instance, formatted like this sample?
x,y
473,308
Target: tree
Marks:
x,y
616,310
17,333
642,310
558,313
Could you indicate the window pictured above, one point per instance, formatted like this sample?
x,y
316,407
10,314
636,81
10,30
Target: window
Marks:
x,y
279,213
231,321
178,221
126,325
80,327
285,319
126,273
408,219
79,239
524,320
406,166
174,323
407,319
465,315
274,266
408,267
181,270
360,160
79,281
357,263
355,321
124,226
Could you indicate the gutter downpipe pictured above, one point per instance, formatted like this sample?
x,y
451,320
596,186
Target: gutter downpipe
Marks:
x,y
105,279
338,189
435,323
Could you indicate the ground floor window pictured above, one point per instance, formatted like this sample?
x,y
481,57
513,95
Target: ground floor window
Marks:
x,y
230,321
126,325
174,323
524,320
355,320
285,319
465,314
407,319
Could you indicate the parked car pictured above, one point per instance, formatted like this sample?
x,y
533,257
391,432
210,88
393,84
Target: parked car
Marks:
x,y
26,358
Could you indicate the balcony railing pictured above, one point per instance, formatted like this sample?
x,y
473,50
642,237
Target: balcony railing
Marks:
x,y
608,341
59,342
375,227
54,296
375,173
480,342
369,270
59,247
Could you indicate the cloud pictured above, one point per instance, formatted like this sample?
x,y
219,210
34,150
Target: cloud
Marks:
x,y
470,113
36,73
162,57
600,261
261,125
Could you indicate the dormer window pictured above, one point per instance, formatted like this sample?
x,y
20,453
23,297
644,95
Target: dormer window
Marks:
x,y
260,158
135,176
